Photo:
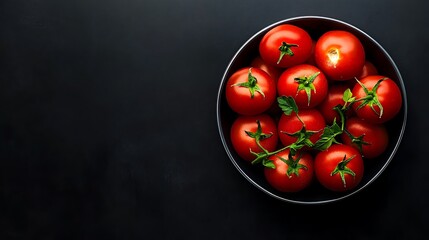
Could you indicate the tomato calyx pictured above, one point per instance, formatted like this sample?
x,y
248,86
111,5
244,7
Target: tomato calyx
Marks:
x,y
342,169
251,84
371,98
293,165
259,135
358,141
302,139
286,49
306,83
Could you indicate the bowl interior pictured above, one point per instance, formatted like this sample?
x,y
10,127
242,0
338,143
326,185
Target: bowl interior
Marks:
x,y
315,26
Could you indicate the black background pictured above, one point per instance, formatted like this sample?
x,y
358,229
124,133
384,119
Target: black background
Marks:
x,y
108,123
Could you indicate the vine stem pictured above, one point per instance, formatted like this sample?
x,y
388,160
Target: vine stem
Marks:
x,y
268,154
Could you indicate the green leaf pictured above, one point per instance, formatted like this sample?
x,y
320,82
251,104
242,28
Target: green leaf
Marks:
x,y
348,96
287,104
328,136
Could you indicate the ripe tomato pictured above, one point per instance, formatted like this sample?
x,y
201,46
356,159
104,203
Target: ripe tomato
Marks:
x,y
369,138
311,118
382,99
305,83
339,168
290,175
333,98
285,45
250,91
367,70
273,71
340,55
244,126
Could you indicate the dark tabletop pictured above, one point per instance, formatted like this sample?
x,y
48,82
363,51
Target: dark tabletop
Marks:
x,y
108,123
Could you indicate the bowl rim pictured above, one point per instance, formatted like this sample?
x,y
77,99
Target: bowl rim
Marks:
x,y
400,82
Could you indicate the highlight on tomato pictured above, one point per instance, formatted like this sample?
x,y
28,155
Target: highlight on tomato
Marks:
x,y
340,55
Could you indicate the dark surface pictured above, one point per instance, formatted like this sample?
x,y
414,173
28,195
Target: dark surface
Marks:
x,y
108,123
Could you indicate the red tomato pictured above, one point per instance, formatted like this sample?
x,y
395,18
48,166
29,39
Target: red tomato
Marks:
x,y
285,45
369,138
305,83
273,71
339,168
250,91
312,119
340,55
387,95
333,98
290,175
368,69
243,144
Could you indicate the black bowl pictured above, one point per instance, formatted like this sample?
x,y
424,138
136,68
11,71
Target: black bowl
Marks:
x,y
315,194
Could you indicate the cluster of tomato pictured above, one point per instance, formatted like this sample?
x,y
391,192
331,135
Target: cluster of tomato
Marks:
x,y
311,109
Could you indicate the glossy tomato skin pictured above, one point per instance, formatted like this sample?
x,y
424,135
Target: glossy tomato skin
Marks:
x,y
281,181
388,94
375,135
340,55
367,70
273,71
288,85
312,119
243,143
333,98
273,39
326,162
239,98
